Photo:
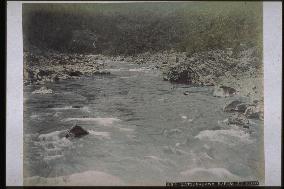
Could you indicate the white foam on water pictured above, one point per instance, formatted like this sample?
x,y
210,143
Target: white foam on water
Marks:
x,y
52,144
157,160
87,178
189,120
206,146
43,90
50,158
63,108
114,69
39,115
57,114
143,69
108,121
184,117
205,155
230,137
101,134
35,116
53,136
211,174
84,108
126,129
153,157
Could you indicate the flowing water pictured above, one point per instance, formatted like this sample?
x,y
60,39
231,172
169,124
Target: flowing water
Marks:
x,y
143,131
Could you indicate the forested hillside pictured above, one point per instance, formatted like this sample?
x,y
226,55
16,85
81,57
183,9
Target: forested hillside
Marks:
x,y
133,28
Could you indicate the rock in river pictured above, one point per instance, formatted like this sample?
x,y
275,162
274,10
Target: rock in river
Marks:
x,y
231,107
239,120
241,107
254,112
75,73
186,93
76,132
236,106
43,90
224,91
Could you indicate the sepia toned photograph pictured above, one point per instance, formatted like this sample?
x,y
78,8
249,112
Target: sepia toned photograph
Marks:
x,y
142,93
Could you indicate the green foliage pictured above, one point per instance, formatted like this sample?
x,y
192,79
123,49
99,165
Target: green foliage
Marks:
x,y
131,28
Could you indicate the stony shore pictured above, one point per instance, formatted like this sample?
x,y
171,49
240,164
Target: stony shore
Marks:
x,y
51,67
214,68
242,72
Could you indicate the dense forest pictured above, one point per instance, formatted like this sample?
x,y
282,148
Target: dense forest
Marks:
x,y
132,28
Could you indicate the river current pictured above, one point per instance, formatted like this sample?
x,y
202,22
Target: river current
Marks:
x,y
143,131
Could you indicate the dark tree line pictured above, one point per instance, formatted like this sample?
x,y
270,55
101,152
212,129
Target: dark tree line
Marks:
x,y
131,30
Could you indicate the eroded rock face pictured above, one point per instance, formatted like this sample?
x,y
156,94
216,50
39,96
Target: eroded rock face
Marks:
x,y
76,132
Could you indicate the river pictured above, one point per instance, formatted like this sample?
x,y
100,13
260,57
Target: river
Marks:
x,y
143,131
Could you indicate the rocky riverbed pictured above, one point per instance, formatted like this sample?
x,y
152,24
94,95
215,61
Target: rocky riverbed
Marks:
x,y
229,72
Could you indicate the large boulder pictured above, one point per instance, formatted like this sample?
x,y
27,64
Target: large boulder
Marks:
x,y
75,73
76,132
236,106
239,120
182,73
231,107
241,107
254,112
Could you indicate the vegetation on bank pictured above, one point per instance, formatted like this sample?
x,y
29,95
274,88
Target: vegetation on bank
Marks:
x,y
200,43
133,28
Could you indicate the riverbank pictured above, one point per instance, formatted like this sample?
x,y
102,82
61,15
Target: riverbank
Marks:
x,y
241,71
50,67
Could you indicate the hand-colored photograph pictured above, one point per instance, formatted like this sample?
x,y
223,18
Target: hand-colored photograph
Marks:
x,y
142,93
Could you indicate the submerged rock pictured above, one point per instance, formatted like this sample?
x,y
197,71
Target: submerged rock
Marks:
x,y
76,132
